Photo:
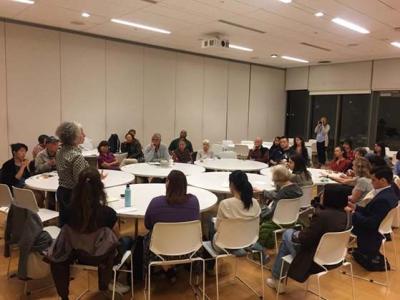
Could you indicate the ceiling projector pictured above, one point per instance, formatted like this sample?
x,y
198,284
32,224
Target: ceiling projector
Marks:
x,y
215,43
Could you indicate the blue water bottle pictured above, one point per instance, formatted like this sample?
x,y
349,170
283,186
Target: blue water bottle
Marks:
x,y
127,196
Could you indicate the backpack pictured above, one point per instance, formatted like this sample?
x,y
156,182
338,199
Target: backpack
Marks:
x,y
114,143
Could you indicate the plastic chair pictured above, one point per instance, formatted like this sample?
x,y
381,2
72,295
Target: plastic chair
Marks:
x,y
225,240
241,150
26,198
331,251
227,155
286,213
5,198
175,239
217,148
396,218
128,161
305,200
120,156
247,142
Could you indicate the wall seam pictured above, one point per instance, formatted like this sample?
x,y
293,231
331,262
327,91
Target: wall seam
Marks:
x,y
6,89
61,83
248,104
227,99
105,89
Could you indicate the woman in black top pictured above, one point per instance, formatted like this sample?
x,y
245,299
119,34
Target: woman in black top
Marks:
x,y
299,147
132,146
15,171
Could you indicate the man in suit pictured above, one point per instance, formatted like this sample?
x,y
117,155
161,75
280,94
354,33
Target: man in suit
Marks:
x,y
366,220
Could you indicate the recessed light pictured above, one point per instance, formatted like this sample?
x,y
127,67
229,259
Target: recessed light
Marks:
x,y
25,1
319,14
396,44
294,59
274,55
350,25
237,47
85,15
286,1
141,26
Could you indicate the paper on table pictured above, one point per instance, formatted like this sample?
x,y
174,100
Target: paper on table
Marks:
x,y
112,199
127,209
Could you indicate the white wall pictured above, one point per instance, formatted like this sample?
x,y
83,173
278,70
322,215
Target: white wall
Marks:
x,y
47,76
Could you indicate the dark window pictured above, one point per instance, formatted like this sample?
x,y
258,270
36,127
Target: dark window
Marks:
x,y
388,125
297,113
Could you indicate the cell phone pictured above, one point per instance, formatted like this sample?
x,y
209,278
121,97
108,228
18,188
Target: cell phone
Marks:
x,y
122,195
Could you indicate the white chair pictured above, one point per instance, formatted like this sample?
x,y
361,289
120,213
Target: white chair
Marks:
x,y
286,213
305,200
175,239
26,198
120,156
241,150
128,161
227,155
396,218
313,148
5,198
247,142
245,235
331,251
217,148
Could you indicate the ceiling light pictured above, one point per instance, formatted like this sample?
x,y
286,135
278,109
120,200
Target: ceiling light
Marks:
x,y
25,1
286,1
85,15
319,14
294,59
140,26
240,48
350,25
396,44
274,55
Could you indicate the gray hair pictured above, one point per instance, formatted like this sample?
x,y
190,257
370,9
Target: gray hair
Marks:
x,y
68,132
157,136
280,175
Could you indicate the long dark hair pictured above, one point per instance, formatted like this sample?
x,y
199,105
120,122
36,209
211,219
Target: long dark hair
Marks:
x,y
241,183
383,149
88,197
176,188
303,145
300,165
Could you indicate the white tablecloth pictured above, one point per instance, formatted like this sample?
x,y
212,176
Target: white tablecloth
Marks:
x,y
155,170
231,164
315,174
49,181
218,182
142,194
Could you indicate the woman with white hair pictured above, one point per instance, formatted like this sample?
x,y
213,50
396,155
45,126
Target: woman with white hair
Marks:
x,y
205,152
70,162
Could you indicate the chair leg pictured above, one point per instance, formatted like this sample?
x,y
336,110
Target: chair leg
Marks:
x,y
114,284
131,271
216,277
279,280
276,242
385,261
395,249
352,282
262,275
149,283
319,288
9,265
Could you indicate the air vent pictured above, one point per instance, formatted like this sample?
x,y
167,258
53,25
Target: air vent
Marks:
x,y
241,26
315,46
324,62
150,1
79,23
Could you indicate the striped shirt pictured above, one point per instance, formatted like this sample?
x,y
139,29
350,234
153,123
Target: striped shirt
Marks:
x,y
70,162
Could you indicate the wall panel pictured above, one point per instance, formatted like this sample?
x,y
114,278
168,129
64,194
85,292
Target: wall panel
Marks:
x,y
297,78
386,75
4,152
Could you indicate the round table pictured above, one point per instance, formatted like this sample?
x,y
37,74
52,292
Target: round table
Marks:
x,y
218,182
49,181
231,164
155,170
316,175
142,194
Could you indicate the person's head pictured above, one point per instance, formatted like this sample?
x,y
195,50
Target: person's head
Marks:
x,y
360,152
87,197
398,155
132,132
380,149
258,142
239,185
362,167
280,175
284,142
277,140
129,137
156,139
381,177
324,120
299,142
297,164
206,145
42,140
347,146
103,147
70,133
52,144
338,153
182,145
176,186
19,150
183,134
335,196
377,161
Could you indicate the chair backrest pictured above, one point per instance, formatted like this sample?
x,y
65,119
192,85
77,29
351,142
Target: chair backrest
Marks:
x,y
396,218
128,161
332,248
25,198
386,224
227,154
227,142
242,150
286,211
217,148
305,200
120,156
237,233
247,142
5,196
313,147
172,239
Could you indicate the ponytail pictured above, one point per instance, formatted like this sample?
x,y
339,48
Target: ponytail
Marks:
x,y
241,183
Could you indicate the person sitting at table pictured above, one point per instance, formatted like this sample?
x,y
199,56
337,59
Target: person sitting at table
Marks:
x,y
15,171
45,161
360,152
106,159
205,153
87,214
69,162
176,206
132,146
182,154
396,167
300,174
348,150
175,143
40,145
156,151
380,151
259,152
302,244
340,163
366,220
274,150
300,148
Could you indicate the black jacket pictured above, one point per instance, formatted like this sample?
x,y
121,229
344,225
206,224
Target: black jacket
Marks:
x,y
8,172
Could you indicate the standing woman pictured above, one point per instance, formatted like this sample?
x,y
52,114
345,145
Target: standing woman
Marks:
x,y
322,131
70,162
